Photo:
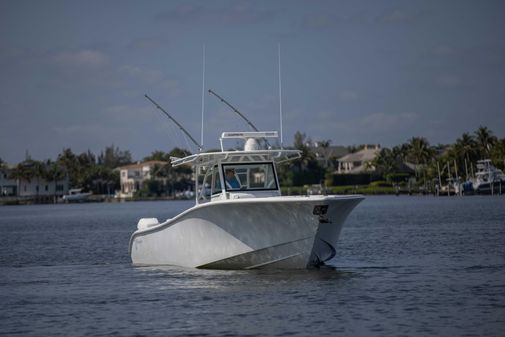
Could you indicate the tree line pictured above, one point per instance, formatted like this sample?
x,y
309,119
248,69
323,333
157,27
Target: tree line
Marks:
x,y
96,173
429,162
434,163
86,170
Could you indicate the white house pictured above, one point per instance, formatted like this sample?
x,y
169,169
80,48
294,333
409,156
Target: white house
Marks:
x,y
42,188
132,177
35,187
358,162
8,187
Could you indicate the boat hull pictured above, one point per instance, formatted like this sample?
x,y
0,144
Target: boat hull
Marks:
x,y
497,187
276,232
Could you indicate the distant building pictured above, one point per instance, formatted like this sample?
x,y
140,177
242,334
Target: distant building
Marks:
x,y
327,155
42,188
34,187
132,177
358,162
8,187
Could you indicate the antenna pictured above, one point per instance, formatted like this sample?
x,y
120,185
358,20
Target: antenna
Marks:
x,y
280,94
203,94
177,123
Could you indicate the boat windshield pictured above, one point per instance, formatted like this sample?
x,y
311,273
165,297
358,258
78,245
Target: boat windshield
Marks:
x,y
250,177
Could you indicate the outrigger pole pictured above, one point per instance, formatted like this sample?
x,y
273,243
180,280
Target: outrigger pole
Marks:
x,y
234,109
177,123
239,113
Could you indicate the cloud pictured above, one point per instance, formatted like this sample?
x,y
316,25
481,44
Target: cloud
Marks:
x,y
371,128
348,95
328,21
239,13
395,16
444,51
399,16
381,122
319,22
448,81
140,74
148,43
81,58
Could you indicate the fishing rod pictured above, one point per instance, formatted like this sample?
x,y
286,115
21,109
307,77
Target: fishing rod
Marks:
x,y
235,109
240,114
177,123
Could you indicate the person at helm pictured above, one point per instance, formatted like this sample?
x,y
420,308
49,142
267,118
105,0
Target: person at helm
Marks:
x,y
231,180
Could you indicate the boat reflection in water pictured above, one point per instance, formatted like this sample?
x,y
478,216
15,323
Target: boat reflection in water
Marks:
x,y
240,220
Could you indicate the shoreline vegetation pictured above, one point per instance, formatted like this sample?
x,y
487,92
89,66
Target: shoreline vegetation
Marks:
x,y
415,167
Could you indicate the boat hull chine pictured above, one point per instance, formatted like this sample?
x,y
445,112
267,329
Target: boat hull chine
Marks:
x,y
290,255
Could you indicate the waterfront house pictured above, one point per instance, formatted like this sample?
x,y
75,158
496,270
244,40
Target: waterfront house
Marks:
x,y
32,185
39,187
326,155
359,161
133,177
8,186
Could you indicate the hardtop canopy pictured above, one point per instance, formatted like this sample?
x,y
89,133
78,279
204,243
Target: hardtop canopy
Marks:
x,y
210,158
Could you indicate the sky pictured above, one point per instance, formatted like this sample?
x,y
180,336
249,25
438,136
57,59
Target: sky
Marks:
x,y
73,74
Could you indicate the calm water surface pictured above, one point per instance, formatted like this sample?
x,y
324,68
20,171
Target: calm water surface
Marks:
x,y
405,266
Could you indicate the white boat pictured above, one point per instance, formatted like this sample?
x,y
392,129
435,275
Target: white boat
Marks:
x,y
76,195
453,187
488,179
240,220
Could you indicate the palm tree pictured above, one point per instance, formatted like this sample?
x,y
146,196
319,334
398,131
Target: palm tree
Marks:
x,y
158,155
101,179
68,160
401,151
38,170
498,153
420,152
466,146
386,163
54,173
22,172
465,151
485,140
307,156
162,173
325,145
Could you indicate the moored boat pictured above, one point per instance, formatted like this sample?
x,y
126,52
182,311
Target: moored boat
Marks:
x,y
488,178
76,195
